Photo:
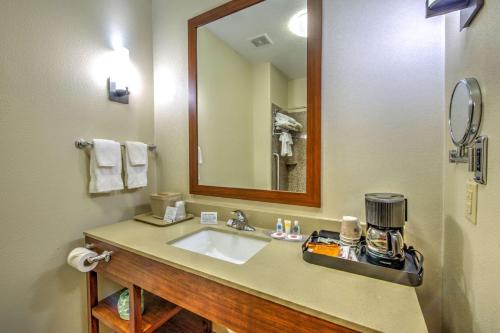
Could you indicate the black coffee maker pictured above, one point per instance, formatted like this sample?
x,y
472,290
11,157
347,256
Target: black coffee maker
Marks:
x,y
386,214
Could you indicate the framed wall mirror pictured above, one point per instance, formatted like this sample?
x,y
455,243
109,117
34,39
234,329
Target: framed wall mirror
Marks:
x,y
255,101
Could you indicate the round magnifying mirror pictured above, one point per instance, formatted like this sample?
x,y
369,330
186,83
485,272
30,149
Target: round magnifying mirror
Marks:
x,y
465,112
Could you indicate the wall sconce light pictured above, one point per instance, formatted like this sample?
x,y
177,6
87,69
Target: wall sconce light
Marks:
x,y
119,78
468,9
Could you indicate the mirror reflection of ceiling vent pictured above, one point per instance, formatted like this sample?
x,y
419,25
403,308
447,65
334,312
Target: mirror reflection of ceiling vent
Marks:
x,y
261,40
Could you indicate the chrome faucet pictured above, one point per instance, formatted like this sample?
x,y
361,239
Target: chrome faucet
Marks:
x,y
240,222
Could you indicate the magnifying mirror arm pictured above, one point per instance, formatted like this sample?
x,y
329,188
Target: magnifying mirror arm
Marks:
x,y
475,155
460,155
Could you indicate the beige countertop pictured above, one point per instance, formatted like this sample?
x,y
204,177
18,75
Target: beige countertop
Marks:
x,y
278,273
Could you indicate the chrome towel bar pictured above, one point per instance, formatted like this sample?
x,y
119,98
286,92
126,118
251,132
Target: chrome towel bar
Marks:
x,y
82,144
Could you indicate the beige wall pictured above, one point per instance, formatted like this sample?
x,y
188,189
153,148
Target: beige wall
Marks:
x,y
262,125
279,88
297,94
471,265
52,91
382,119
225,107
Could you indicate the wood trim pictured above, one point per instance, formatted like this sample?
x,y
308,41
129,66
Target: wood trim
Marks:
x,y
312,196
92,300
135,309
233,308
221,11
314,61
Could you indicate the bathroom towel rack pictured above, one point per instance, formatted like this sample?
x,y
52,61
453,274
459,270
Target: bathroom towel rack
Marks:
x,y
82,144
295,135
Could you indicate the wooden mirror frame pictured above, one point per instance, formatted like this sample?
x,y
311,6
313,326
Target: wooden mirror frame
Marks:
x,y
312,196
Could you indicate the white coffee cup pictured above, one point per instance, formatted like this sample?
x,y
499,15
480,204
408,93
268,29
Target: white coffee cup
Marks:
x,y
350,230
181,210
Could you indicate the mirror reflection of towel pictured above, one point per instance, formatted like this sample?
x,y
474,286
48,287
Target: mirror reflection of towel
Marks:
x,y
286,122
286,144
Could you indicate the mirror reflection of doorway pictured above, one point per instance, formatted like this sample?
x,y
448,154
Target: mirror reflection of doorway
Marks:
x,y
288,148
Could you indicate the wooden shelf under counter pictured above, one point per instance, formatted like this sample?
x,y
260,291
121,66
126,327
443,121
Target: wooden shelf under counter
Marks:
x,y
157,311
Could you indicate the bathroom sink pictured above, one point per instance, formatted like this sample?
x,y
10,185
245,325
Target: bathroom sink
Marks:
x,y
227,246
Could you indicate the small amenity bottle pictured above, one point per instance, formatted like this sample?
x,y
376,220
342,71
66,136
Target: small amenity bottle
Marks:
x,y
288,226
296,228
279,226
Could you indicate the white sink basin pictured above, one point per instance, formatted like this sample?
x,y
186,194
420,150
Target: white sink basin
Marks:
x,y
226,246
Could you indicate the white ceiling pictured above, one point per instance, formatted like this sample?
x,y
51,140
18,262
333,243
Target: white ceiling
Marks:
x,y
288,52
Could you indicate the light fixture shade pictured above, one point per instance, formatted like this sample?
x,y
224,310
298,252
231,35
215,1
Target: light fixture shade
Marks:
x,y
120,76
468,9
440,7
121,68
298,23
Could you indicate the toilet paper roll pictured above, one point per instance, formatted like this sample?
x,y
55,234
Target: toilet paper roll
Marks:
x,y
78,259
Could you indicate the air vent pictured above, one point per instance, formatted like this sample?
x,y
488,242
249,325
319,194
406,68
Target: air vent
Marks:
x,y
261,40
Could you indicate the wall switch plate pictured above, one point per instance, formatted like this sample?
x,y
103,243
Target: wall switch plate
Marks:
x,y
471,202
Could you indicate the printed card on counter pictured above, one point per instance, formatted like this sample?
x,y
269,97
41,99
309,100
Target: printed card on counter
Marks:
x,y
208,218
170,214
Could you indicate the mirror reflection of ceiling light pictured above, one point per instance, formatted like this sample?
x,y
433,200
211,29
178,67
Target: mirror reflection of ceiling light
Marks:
x,y
298,23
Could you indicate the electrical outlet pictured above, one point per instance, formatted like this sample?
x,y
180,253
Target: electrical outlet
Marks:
x,y
471,202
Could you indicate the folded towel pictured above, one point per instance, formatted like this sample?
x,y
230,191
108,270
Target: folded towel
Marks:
x,y
286,144
105,178
136,164
283,121
287,126
137,152
105,152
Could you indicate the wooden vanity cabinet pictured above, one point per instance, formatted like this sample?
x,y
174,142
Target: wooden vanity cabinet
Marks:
x,y
174,289
160,316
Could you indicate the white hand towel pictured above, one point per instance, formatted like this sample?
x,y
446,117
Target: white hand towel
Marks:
x,y
286,144
289,143
136,164
105,152
137,152
105,178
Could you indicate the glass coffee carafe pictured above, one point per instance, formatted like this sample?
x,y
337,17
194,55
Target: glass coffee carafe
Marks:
x,y
385,217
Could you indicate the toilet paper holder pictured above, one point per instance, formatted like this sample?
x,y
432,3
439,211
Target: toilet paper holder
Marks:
x,y
105,255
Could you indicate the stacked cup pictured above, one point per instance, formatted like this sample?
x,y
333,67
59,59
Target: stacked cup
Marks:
x,y
350,231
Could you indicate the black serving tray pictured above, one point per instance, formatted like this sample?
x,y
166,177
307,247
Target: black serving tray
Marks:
x,y
411,274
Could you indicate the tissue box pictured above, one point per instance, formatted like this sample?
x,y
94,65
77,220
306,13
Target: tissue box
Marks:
x,y
160,202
